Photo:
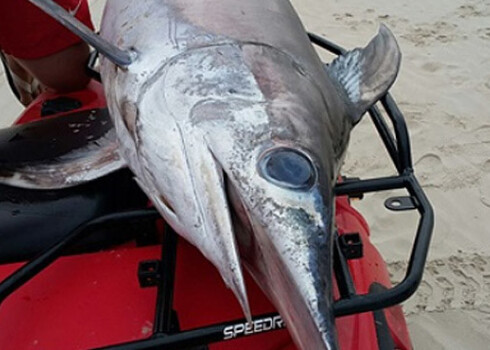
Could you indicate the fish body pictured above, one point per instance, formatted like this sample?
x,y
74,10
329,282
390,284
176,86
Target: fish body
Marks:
x,y
236,131
211,95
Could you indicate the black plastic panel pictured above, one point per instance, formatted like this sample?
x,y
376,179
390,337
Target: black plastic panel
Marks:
x,y
33,220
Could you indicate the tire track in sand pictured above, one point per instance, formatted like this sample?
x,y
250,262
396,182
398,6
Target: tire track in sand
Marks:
x,y
459,282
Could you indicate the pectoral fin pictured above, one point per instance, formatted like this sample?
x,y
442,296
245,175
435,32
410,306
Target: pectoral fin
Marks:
x,y
366,74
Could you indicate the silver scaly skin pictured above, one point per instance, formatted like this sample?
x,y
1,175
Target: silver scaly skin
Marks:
x,y
236,132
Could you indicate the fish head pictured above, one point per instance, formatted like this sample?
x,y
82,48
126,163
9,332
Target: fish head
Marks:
x,y
239,146
280,174
284,227
279,184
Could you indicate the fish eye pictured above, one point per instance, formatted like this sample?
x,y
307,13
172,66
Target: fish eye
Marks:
x,y
287,168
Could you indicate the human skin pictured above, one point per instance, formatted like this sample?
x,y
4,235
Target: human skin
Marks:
x,y
62,72
37,47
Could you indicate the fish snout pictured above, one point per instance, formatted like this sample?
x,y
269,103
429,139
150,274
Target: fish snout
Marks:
x,y
288,248
294,267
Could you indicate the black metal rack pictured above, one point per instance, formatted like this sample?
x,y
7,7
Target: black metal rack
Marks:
x,y
398,147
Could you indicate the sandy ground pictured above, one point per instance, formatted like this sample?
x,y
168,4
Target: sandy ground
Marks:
x,y
444,90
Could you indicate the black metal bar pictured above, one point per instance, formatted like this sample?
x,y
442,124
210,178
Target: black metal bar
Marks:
x,y
400,153
163,312
206,335
401,132
342,273
371,185
326,44
413,277
386,136
418,256
36,265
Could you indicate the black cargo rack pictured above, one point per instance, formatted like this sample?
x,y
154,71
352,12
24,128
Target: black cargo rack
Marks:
x,y
398,147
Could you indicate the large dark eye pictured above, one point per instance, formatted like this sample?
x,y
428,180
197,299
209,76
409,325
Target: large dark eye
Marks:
x,y
287,168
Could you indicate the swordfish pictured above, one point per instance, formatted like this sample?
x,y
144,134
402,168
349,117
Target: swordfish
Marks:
x,y
236,131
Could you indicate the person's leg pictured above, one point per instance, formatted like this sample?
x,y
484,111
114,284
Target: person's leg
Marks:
x,y
37,47
63,71
24,87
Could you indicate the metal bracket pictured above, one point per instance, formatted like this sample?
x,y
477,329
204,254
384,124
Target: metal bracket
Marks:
x,y
351,245
401,203
149,273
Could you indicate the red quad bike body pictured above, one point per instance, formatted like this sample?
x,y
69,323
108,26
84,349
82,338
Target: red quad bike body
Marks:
x,y
90,300
78,266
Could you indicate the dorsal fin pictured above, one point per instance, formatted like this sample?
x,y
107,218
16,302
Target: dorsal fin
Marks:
x,y
366,74
117,56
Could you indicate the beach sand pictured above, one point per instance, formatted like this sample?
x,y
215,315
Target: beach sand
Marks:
x,y
443,89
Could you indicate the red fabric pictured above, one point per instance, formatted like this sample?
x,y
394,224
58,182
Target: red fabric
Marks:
x,y
28,33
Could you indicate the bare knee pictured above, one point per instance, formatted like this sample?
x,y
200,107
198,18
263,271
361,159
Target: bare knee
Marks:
x,y
63,71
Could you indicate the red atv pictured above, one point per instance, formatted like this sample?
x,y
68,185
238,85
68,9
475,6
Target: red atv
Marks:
x,y
104,271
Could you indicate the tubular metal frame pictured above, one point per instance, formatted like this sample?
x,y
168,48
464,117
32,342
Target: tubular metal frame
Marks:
x,y
398,147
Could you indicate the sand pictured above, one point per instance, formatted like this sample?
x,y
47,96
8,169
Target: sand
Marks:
x,y
444,91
